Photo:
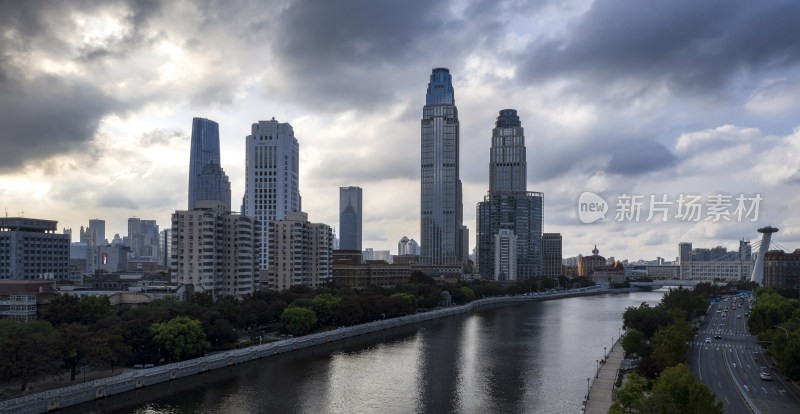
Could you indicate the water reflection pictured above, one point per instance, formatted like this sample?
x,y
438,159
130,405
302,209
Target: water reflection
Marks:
x,y
531,358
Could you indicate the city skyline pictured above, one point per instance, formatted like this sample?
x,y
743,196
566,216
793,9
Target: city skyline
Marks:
x,y
97,102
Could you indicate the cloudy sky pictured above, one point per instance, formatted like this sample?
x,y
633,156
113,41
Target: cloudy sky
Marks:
x,y
617,98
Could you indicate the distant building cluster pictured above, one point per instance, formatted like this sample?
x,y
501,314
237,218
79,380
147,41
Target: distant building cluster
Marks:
x,y
716,264
271,244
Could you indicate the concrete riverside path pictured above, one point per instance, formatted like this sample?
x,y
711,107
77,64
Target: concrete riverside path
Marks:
x,y
600,394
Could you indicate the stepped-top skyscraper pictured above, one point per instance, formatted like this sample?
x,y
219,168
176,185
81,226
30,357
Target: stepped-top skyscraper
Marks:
x,y
207,180
350,218
509,209
443,234
272,186
507,159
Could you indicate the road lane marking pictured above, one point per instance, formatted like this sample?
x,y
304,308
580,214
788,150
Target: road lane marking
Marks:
x,y
745,388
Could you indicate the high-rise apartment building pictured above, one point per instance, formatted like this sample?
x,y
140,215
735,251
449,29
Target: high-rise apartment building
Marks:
x,y
441,199
508,205
350,218
300,252
211,183
215,250
551,255
505,255
31,249
272,186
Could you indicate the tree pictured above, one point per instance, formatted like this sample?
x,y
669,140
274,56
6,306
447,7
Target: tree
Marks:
x,y
78,345
221,332
113,349
669,344
181,337
324,306
689,302
634,343
298,321
645,319
27,350
469,293
419,277
349,312
630,396
677,391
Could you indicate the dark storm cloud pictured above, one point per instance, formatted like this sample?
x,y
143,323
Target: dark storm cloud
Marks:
x,y
639,156
43,114
46,116
693,46
357,53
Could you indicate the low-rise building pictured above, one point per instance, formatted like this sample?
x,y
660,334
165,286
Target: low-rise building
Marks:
x,y
26,300
350,270
587,264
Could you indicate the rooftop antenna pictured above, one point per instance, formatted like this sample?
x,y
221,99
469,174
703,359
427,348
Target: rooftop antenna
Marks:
x,y
6,212
22,214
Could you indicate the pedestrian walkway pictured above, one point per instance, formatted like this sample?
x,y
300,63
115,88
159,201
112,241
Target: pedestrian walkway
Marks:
x,y
603,386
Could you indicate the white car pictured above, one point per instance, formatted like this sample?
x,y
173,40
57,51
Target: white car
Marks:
x,y
708,340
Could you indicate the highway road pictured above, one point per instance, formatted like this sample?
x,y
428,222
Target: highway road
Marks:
x,y
731,363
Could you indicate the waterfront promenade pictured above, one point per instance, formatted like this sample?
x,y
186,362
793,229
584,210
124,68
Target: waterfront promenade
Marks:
x,y
601,392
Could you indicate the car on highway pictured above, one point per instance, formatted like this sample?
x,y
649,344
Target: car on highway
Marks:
x,y
708,340
765,376
717,336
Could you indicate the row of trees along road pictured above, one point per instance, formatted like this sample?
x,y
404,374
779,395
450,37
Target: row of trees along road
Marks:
x,y
88,331
659,335
776,320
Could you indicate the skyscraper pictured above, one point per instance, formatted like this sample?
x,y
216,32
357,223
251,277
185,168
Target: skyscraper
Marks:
x,y
204,149
508,206
507,163
350,218
212,184
143,238
441,222
272,185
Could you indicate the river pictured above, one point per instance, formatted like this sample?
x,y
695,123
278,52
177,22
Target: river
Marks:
x,y
533,357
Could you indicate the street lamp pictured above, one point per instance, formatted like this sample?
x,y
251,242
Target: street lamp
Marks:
x,y
597,372
784,330
605,353
587,389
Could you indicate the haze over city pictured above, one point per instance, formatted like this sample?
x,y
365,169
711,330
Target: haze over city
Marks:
x,y
616,97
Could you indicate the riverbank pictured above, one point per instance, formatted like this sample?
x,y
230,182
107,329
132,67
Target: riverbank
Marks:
x,y
141,380
601,392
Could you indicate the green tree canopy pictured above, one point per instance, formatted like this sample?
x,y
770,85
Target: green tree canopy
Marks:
x,y
28,351
669,344
686,300
677,391
324,306
645,319
634,342
631,395
297,320
181,337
